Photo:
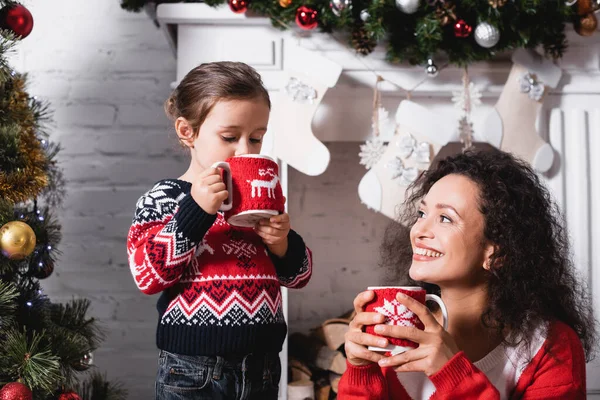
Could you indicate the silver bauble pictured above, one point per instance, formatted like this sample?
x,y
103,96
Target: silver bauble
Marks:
x,y
431,69
487,35
407,6
364,15
337,6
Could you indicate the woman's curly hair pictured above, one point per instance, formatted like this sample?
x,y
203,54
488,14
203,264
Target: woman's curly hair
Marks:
x,y
532,278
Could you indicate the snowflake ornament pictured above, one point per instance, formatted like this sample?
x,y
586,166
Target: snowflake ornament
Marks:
x,y
396,313
371,152
459,97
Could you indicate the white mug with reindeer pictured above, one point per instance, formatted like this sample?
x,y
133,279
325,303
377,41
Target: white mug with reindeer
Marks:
x,y
252,181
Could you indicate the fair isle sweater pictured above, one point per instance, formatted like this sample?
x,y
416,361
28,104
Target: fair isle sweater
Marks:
x,y
553,368
220,285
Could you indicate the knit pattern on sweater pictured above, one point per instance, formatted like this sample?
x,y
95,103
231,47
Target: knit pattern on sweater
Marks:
x,y
220,285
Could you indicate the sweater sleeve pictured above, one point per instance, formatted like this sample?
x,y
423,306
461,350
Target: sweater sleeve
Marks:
x,y
166,229
370,382
295,268
459,378
556,372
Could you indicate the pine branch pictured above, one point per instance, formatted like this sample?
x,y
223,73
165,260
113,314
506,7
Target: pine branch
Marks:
x,y
98,388
8,296
73,316
31,362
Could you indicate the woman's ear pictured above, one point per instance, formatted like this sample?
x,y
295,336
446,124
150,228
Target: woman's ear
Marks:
x,y
489,251
185,132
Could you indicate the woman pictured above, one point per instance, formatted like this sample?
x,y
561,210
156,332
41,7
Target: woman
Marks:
x,y
488,239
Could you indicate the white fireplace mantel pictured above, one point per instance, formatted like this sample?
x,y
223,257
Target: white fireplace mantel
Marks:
x,y
570,118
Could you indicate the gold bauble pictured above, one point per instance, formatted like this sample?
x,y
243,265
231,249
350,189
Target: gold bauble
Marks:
x,y
285,3
17,240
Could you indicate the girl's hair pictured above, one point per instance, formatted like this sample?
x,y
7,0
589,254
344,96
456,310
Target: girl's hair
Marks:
x,y
532,278
208,83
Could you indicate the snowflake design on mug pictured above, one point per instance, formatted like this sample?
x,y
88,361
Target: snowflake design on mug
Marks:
x,y
396,313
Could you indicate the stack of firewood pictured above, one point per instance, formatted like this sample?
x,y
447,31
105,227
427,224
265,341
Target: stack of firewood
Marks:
x,y
317,360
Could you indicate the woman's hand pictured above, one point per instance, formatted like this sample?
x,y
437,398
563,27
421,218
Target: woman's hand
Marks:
x,y
436,346
357,340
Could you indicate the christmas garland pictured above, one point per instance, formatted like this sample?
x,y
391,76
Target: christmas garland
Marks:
x,y
25,172
417,31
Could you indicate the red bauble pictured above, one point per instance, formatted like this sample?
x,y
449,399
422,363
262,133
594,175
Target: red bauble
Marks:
x,y
462,29
238,6
306,17
17,19
69,396
15,391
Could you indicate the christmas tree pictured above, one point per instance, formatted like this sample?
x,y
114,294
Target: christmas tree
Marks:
x,y
46,347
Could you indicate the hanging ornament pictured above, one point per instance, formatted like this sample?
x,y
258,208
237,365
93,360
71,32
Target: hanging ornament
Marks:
x,y
69,396
407,6
285,3
462,29
364,15
41,269
371,152
465,132
16,18
465,127
487,35
15,391
337,6
471,94
84,363
431,69
445,13
238,6
306,18
586,25
17,240
362,40
497,3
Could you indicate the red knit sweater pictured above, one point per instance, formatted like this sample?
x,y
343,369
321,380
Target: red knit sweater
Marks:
x,y
557,371
220,286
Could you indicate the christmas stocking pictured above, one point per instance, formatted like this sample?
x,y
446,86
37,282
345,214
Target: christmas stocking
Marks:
x,y
308,76
511,126
419,136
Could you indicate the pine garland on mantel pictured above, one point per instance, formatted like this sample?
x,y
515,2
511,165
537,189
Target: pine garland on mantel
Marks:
x,y
463,31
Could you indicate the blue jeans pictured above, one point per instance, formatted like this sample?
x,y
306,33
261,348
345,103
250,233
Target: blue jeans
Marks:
x,y
251,377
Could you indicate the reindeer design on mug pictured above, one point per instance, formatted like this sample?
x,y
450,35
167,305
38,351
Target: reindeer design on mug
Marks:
x,y
258,184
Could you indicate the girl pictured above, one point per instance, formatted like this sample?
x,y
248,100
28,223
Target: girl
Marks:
x,y
487,238
221,324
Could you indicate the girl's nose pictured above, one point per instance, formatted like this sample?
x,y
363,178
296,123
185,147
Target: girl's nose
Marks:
x,y
242,148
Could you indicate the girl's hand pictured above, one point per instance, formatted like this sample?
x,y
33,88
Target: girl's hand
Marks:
x,y
209,191
436,346
357,340
274,233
